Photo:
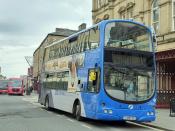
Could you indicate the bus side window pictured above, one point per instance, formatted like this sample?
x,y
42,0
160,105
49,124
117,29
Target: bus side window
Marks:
x,y
86,41
94,38
49,80
93,80
81,42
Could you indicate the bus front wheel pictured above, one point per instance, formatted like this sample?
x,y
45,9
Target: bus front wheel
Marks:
x,y
78,112
47,103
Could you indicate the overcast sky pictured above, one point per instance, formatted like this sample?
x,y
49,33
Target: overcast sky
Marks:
x,y
25,23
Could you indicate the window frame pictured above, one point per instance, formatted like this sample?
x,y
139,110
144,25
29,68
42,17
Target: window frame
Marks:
x,y
99,4
173,15
56,82
130,12
152,15
123,15
98,81
90,41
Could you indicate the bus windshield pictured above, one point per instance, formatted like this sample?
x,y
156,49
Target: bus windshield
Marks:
x,y
15,83
3,84
128,62
128,84
127,35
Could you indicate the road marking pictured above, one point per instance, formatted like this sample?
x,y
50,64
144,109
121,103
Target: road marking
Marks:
x,y
49,112
42,109
30,99
144,126
34,106
86,126
70,120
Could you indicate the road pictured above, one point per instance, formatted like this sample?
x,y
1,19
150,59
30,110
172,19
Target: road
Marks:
x,y
18,114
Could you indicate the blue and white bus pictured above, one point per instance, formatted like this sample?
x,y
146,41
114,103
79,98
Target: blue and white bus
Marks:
x,y
106,72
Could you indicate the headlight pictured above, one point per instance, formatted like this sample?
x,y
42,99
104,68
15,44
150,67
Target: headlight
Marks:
x,y
110,111
150,113
105,111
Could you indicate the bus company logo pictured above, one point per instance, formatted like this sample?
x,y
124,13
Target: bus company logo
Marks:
x,y
130,107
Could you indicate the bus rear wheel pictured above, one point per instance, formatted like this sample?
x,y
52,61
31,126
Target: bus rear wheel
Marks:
x,y
47,103
78,112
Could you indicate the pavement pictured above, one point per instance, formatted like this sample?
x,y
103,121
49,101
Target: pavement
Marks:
x,y
163,120
32,98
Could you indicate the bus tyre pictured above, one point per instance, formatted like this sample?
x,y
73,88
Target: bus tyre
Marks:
x,y
78,112
47,103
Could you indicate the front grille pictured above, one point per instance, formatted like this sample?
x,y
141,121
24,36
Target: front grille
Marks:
x,y
15,90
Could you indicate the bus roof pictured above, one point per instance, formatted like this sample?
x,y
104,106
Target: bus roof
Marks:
x,y
73,35
100,23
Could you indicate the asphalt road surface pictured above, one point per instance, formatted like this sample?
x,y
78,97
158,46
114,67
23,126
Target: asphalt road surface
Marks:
x,y
19,115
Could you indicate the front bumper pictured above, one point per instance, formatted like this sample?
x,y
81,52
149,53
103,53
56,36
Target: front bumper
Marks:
x,y
126,115
3,91
15,91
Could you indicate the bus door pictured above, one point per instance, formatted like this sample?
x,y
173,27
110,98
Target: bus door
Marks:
x,y
90,95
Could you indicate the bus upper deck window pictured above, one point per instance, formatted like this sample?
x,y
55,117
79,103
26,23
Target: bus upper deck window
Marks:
x,y
94,38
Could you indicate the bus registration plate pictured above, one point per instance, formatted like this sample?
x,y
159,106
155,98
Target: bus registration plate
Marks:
x,y
130,118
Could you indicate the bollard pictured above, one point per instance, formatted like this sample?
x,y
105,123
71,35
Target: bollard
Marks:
x,y
28,91
172,107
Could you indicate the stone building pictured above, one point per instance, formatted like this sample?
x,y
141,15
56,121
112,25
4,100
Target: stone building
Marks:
x,y
1,76
159,14
59,34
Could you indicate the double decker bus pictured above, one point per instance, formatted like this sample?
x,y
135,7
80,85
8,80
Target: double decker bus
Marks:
x,y
15,86
3,86
106,72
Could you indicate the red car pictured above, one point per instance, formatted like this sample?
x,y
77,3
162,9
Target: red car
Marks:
x,y
3,86
15,86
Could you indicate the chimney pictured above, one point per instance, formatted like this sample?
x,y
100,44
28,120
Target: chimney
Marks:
x,y
60,30
82,26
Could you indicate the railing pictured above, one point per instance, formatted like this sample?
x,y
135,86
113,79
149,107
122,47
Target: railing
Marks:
x,y
164,97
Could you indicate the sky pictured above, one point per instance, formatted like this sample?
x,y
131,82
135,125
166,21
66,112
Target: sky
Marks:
x,y
25,23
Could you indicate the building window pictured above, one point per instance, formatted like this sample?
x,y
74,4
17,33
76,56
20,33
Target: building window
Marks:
x,y
173,14
130,13
101,3
98,3
123,15
126,12
155,15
